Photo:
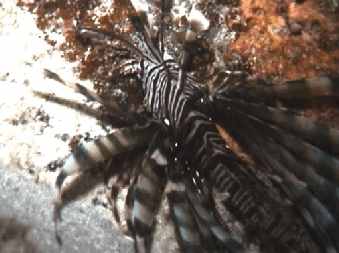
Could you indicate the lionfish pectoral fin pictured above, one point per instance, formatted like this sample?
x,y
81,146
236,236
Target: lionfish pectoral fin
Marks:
x,y
147,194
215,235
309,189
317,134
291,91
90,154
186,229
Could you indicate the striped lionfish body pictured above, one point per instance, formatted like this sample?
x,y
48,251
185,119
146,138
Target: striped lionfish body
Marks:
x,y
287,196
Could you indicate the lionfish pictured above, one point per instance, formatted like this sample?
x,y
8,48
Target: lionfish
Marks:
x,y
287,195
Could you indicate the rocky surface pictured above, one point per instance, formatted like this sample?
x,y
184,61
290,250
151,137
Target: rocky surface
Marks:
x,y
29,225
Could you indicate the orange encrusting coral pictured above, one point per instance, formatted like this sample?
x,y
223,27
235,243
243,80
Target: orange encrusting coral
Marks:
x,y
286,40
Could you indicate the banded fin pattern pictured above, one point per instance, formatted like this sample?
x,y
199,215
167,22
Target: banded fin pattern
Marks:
x,y
213,232
90,154
147,194
291,146
186,228
314,212
296,90
325,164
197,229
249,199
318,134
